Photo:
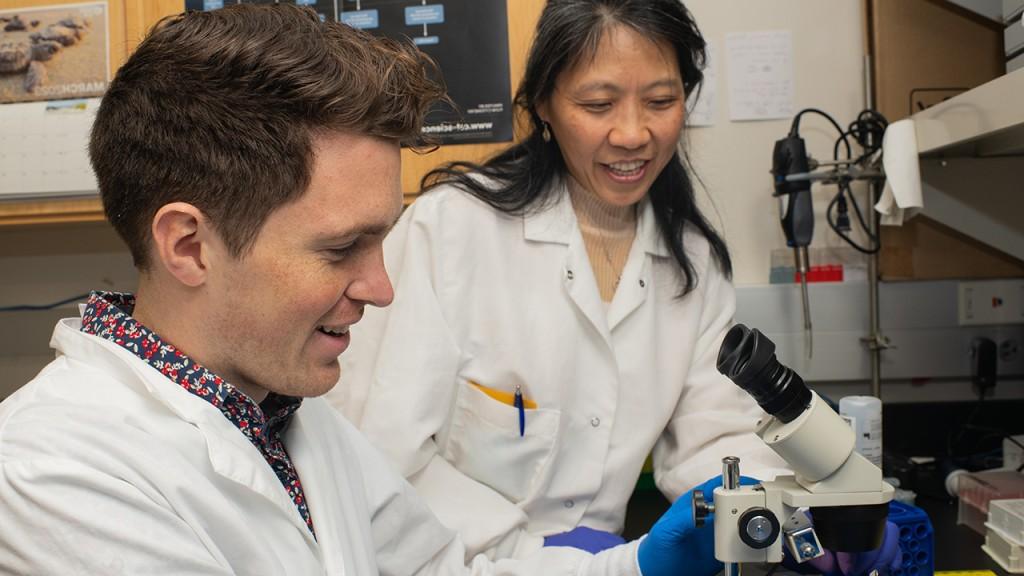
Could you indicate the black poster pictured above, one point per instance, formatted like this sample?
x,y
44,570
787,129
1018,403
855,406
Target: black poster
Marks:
x,y
325,8
469,41
467,38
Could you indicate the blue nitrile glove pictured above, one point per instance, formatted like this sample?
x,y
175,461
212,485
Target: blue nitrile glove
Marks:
x,y
675,542
584,538
884,559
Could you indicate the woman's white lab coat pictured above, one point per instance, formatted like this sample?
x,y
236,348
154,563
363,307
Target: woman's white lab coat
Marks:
x,y
107,467
508,302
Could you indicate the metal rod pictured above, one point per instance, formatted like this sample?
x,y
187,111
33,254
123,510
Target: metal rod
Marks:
x,y
731,481
831,162
730,473
869,89
835,175
875,339
803,265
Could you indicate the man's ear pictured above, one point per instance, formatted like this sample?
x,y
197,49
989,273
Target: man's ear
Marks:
x,y
182,242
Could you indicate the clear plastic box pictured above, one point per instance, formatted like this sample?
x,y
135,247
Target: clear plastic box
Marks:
x,y
1007,516
977,490
1003,550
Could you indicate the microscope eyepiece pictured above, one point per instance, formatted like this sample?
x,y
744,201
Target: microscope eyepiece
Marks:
x,y
747,357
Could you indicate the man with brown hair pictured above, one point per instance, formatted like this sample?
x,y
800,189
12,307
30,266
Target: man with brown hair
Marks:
x,y
249,157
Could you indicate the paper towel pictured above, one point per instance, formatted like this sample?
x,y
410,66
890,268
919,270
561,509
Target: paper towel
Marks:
x,y
901,199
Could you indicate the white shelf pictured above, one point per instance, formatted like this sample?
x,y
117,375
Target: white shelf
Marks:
x,y
972,163
985,121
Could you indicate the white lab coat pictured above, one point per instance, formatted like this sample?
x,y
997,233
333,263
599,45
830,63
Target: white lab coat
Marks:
x,y
107,467
512,301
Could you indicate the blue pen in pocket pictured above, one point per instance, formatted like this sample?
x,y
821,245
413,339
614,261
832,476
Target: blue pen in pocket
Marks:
x,y
518,402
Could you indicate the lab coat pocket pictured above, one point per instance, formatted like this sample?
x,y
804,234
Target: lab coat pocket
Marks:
x,y
484,442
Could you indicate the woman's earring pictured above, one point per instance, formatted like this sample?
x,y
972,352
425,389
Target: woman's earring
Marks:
x,y
546,132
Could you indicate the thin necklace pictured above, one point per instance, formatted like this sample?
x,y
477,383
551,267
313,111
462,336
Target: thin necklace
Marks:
x,y
602,236
611,229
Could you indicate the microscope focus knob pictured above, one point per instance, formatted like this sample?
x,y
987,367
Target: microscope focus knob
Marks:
x,y
759,528
701,508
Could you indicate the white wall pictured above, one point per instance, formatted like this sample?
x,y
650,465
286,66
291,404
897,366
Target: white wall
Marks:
x,y
734,158
46,264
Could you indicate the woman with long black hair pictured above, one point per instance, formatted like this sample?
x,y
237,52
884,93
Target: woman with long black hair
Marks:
x,y
559,308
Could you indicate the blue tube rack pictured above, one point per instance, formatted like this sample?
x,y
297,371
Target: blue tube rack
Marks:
x,y
917,540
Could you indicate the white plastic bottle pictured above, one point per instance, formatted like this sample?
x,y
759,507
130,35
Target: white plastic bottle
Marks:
x,y
864,413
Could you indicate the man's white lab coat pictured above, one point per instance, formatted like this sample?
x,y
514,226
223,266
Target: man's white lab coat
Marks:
x,y
503,301
107,467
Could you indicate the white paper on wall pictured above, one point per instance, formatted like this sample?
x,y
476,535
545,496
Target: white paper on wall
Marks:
x,y
702,106
44,148
760,75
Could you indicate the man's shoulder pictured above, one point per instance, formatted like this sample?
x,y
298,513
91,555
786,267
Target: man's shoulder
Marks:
x,y
66,406
59,385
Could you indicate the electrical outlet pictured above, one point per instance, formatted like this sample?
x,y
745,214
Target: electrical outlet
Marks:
x,y
991,302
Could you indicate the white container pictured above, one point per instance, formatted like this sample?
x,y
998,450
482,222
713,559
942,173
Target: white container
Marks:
x,y
1013,37
1015,64
1007,516
864,414
1011,8
1013,446
1003,550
